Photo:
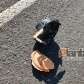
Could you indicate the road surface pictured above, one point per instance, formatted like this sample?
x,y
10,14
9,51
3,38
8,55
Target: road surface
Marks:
x,y
16,41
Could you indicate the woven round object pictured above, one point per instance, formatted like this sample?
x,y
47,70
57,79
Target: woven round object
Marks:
x,y
41,62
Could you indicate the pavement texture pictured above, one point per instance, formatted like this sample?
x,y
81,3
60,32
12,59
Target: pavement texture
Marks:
x,y
16,43
4,4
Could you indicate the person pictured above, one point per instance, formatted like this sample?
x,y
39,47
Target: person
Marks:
x,y
46,30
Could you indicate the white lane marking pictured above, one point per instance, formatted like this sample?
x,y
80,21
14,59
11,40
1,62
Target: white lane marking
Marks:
x,y
15,9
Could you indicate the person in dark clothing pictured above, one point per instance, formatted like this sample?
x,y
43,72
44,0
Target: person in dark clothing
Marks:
x,y
46,30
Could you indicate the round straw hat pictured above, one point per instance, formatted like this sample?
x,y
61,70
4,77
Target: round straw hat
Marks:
x,y
41,62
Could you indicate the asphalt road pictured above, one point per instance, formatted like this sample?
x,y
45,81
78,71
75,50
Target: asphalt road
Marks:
x,y
4,4
16,41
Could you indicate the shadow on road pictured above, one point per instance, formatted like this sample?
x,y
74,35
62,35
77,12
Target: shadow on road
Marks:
x,y
51,51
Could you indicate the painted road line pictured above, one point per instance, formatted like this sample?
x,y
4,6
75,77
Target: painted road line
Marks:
x,y
72,54
15,9
63,52
78,59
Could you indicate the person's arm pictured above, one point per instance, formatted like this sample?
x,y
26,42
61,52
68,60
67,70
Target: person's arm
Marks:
x,y
37,34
